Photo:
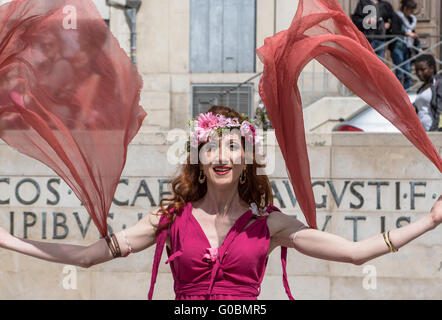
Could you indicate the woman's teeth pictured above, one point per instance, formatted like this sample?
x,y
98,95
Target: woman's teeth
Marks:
x,y
222,170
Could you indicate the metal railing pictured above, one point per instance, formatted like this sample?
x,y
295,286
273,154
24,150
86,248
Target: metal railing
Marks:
x,y
400,66
315,83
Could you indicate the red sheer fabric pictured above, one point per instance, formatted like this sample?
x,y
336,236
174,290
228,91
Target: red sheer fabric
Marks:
x,y
321,30
69,95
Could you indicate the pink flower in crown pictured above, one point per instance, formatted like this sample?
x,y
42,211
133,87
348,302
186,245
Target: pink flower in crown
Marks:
x,y
247,130
203,134
211,254
252,128
207,121
203,127
222,121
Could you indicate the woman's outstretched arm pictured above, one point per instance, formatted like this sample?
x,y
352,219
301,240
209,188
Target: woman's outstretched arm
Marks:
x,y
289,232
140,236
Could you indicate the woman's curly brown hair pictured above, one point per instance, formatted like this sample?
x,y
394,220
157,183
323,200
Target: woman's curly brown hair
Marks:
x,y
186,187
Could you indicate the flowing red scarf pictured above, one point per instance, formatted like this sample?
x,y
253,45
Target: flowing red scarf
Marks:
x,y
321,30
69,96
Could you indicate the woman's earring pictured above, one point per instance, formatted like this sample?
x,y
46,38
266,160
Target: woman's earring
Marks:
x,y
242,178
202,177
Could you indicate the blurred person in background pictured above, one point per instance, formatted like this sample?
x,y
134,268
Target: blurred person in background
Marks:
x,y
404,24
428,103
373,18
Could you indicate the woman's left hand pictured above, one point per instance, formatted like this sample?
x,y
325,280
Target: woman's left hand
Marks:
x,y
436,212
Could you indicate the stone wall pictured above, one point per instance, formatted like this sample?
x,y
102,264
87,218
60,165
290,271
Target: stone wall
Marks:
x,y
362,184
163,54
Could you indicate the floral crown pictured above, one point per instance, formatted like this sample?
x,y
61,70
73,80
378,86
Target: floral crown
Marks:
x,y
206,124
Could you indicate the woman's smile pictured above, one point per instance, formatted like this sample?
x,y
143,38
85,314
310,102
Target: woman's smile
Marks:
x,y
222,170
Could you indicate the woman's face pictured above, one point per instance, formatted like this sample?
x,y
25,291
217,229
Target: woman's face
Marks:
x,y
424,72
222,160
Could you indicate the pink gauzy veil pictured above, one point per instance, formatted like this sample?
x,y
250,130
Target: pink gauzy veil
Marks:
x,y
69,96
321,30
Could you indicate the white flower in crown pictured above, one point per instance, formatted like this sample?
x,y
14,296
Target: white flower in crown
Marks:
x,y
247,131
233,122
258,212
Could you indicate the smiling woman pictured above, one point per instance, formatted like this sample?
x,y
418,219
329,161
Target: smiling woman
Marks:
x,y
220,230
225,205
222,163
220,224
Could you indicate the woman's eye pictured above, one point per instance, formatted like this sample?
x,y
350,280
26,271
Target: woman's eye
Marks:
x,y
234,146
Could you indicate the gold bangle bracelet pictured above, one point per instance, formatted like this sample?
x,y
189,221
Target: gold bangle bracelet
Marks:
x,y
115,241
111,247
391,244
386,241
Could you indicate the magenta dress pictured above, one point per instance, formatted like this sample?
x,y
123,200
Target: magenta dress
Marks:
x,y
234,271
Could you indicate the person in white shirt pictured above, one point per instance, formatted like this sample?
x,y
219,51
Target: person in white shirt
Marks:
x,y
427,103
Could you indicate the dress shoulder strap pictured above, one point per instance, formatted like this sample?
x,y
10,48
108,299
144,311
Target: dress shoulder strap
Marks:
x,y
161,240
285,281
271,208
284,273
